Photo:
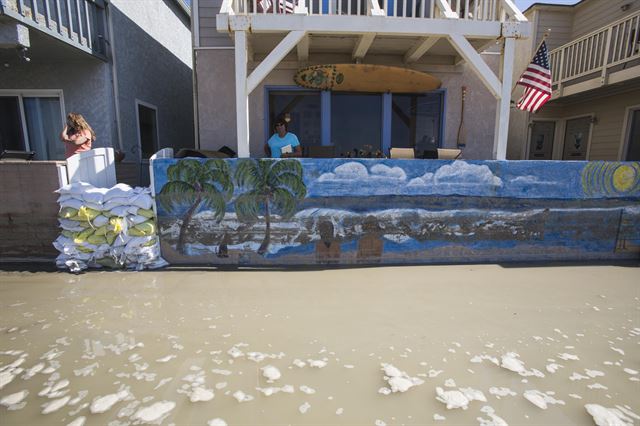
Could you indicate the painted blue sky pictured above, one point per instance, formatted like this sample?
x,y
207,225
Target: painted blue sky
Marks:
x,y
361,177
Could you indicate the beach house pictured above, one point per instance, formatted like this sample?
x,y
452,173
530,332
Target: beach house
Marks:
x,y
594,112
125,65
247,53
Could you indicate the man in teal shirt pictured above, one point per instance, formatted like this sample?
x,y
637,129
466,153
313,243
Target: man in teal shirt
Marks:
x,y
281,141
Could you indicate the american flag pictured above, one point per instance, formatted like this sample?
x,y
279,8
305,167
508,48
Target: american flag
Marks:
x,y
284,6
537,82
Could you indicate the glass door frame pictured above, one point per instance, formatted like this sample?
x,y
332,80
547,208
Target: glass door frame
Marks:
x,y
325,113
34,93
626,131
565,121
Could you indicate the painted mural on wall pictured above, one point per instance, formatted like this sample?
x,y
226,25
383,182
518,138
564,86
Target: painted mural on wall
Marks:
x,y
367,211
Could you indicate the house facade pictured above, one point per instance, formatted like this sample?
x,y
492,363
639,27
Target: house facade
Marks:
x,y
125,65
246,54
594,112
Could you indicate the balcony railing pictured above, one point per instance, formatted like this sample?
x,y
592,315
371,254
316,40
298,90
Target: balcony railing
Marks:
x,y
80,23
476,10
597,52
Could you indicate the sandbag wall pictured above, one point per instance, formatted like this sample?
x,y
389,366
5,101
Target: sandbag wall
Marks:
x,y
107,227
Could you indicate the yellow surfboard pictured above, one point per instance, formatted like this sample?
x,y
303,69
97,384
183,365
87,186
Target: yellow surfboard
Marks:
x,y
365,78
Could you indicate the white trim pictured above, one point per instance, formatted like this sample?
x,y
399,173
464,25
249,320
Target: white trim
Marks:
x,y
501,132
626,130
382,25
195,22
214,48
114,79
155,108
242,94
34,93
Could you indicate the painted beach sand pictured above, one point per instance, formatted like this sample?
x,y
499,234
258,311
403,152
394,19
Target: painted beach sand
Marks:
x,y
268,212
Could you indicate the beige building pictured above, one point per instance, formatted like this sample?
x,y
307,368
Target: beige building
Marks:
x,y
247,52
594,112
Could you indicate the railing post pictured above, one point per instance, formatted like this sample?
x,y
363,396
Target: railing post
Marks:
x,y
605,60
561,72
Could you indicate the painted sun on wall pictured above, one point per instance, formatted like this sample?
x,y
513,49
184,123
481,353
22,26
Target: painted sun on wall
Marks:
x,y
342,211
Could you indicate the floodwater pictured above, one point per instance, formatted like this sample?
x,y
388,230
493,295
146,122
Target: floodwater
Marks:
x,y
173,347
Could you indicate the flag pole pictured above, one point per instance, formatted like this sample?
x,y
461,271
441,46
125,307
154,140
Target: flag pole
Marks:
x,y
544,38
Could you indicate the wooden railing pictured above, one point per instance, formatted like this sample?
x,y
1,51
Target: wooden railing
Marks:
x,y
598,51
476,10
80,23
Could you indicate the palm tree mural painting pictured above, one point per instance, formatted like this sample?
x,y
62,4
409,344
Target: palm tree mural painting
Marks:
x,y
194,184
271,185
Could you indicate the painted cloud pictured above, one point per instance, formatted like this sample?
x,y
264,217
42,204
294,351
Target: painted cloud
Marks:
x,y
458,178
354,171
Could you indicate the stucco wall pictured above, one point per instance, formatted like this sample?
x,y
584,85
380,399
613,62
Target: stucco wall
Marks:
x,y
151,72
83,81
216,104
608,130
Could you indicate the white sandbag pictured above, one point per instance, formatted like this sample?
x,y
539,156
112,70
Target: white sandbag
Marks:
x,y
65,197
143,201
70,225
94,195
74,188
136,219
100,221
121,190
123,211
74,203
115,202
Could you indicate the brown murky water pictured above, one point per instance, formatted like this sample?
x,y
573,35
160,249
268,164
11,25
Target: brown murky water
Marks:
x,y
160,336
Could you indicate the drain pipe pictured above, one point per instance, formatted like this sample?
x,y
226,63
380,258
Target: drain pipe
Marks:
x,y
114,73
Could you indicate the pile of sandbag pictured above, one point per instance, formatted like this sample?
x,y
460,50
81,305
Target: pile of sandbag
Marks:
x,y
107,227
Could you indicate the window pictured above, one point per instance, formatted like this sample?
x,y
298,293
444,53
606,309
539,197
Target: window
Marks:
x,y
356,123
147,129
32,121
415,121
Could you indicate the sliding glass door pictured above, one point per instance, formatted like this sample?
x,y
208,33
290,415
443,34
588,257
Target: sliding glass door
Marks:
x,y
32,121
356,123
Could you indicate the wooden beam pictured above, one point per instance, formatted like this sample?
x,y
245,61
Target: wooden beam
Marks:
x,y
362,45
486,75
351,25
242,94
273,58
303,49
512,10
418,50
501,133
446,10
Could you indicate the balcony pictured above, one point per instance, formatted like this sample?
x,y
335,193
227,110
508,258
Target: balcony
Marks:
x,y
401,30
79,23
610,55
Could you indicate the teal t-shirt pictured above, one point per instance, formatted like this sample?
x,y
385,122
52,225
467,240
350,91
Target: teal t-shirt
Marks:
x,y
276,143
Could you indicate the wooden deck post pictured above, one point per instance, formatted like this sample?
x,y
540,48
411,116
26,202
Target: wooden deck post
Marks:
x,y
242,94
501,133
